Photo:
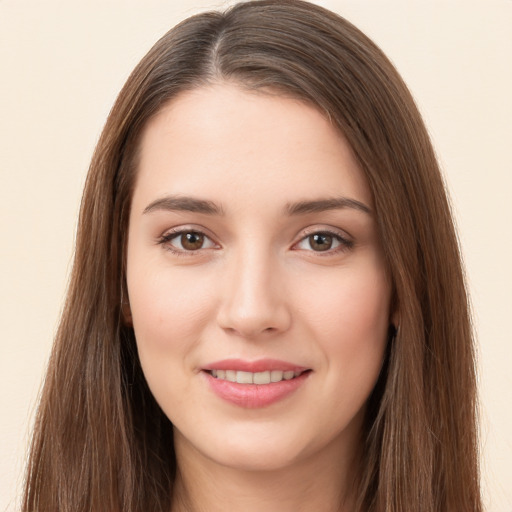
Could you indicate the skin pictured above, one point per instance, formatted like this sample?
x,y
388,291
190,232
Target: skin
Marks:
x,y
258,287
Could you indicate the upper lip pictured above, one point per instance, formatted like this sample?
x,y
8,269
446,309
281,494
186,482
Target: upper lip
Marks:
x,y
260,365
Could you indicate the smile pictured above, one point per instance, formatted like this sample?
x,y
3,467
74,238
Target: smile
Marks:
x,y
254,384
265,377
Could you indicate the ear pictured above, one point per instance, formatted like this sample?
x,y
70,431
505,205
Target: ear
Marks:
x,y
126,313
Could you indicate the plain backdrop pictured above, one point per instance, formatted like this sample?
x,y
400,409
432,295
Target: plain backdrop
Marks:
x,y
61,66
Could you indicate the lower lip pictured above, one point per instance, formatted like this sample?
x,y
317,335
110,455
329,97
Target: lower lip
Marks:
x,y
252,396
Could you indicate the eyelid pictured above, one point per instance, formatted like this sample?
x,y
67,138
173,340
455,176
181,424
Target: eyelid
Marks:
x,y
323,228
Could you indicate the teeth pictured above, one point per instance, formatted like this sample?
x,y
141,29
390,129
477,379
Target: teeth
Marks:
x,y
254,378
244,377
276,375
231,375
261,378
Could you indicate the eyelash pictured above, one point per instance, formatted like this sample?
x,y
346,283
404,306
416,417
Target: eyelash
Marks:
x,y
166,239
344,243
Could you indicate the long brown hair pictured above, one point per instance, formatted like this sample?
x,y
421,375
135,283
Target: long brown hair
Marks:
x,y
101,443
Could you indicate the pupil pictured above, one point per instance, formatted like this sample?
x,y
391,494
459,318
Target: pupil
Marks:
x,y
192,241
320,242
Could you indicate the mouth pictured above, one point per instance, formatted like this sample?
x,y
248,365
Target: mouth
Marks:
x,y
255,384
264,377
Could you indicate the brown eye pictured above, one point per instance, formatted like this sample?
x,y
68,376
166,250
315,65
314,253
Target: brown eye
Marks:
x,y
320,241
192,241
186,241
324,241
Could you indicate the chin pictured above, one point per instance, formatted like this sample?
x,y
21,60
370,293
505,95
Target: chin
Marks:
x,y
251,449
257,458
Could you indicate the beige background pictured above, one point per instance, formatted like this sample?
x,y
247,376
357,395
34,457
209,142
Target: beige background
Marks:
x,y
61,66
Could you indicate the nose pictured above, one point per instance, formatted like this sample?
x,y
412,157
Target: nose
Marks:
x,y
253,302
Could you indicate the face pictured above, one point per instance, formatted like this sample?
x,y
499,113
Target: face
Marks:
x,y
258,292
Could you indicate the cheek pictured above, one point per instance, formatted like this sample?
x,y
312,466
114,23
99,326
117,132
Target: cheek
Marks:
x,y
351,302
169,309
169,312
350,320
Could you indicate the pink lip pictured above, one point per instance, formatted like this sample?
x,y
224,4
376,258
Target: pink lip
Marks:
x,y
261,365
252,396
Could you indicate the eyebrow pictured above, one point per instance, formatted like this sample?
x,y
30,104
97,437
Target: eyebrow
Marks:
x,y
321,205
192,204
184,204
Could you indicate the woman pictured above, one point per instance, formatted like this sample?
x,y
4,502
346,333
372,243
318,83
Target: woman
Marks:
x,y
267,307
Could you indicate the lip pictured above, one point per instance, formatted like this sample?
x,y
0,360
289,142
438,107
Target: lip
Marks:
x,y
260,365
253,396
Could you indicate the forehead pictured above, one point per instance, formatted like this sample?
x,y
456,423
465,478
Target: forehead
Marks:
x,y
222,140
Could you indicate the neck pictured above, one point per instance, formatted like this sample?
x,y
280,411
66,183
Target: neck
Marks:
x,y
323,482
